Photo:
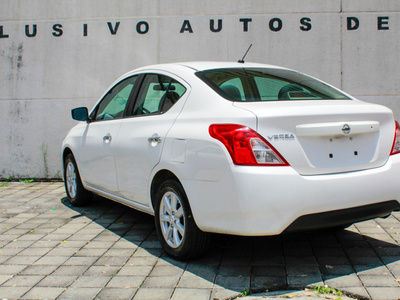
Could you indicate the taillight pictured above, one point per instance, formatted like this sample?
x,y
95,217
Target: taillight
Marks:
x,y
396,142
245,146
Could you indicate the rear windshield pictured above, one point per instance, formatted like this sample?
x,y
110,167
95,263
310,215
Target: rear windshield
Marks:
x,y
239,84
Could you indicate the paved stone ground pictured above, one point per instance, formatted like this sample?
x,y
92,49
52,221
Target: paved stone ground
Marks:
x,y
50,250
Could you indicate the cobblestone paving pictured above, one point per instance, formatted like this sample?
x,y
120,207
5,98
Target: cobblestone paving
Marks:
x,y
51,250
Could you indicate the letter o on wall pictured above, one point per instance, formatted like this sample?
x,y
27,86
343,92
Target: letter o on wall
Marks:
x,y
140,25
278,26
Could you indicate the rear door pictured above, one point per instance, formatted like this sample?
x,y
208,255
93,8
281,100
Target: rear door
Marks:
x,y
141,136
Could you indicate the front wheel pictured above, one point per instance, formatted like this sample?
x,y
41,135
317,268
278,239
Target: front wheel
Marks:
x,y
176,229
76,193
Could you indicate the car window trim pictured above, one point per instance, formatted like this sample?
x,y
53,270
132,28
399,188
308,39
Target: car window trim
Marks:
x,y
140,91
129,110
131,95
254,90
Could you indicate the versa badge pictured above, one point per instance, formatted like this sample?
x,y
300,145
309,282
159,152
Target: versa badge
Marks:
x,y
281,137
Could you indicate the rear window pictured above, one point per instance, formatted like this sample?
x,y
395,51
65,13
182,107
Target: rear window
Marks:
x,y
239,84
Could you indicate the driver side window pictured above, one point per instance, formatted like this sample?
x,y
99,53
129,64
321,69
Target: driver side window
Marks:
x,y
113,104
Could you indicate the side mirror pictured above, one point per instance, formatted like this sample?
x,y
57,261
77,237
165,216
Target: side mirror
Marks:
x,y
80,114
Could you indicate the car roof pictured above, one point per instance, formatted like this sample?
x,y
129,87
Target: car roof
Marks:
x,y
206,65
182,68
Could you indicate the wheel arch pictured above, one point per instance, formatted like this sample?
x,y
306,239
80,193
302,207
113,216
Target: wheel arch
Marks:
x,y
194,242
65,153
158,179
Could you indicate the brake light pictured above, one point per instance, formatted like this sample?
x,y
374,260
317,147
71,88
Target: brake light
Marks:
x,y
246,146
396,142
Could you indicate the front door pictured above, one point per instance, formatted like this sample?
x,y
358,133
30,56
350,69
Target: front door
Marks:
x,y
97,163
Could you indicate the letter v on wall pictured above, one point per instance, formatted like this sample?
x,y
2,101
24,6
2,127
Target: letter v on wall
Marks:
x,y
114,29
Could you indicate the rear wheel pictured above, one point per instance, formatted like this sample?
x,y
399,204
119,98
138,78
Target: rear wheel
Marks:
x,y
340,227
176,229
76,193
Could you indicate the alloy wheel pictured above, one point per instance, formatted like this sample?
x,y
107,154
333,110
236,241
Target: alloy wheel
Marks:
x,y
71,179
172,219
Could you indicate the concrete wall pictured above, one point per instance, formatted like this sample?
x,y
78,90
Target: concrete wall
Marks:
x,y
80,47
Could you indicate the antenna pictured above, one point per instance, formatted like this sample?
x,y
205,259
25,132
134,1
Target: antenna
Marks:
x,y
242,60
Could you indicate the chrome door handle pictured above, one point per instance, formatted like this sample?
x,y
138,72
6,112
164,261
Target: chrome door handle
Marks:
x,y
157,139
107,138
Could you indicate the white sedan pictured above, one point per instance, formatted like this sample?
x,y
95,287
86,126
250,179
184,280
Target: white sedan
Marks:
x,y
234,148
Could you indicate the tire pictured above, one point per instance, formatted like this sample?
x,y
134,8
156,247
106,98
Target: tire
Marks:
x,y
340,228
176,229
76,193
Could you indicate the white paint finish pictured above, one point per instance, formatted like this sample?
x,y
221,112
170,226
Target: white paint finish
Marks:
x,y
309,154
178,151
370,6
96,156
242,211
336,129
389,101
136,157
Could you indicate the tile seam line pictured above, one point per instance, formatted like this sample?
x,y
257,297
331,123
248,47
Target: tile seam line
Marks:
x,y
395,243
348,258
167,16
63,264
193,15
35,261
120,268
148,275
341,46
377,255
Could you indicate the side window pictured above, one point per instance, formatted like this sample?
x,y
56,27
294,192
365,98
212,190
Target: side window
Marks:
x,y
113,104
233,88
157,94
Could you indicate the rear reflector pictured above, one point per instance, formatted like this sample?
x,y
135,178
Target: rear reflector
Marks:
x,y
396,142
246,146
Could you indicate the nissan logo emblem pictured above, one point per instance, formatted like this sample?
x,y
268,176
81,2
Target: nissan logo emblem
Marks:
x,y
346,129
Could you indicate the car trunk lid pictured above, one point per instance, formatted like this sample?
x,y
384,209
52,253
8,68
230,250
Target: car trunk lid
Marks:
x,y
329,136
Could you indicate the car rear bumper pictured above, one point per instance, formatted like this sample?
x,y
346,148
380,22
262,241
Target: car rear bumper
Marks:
x,y
255,201
343,217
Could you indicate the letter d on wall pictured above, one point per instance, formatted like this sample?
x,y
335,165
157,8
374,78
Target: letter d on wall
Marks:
x,y
352,23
